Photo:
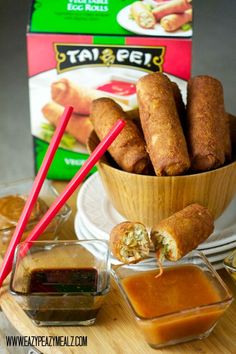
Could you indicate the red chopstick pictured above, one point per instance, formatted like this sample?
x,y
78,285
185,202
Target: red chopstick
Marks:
x,y
63,197
32,198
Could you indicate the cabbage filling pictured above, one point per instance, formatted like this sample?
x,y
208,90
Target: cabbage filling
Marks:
x,y
135,244
161,246
146,21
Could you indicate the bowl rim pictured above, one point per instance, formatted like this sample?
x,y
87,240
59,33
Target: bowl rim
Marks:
x,y
125,173
217,170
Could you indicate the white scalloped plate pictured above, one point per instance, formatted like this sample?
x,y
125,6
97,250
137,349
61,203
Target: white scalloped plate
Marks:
x,y
99,216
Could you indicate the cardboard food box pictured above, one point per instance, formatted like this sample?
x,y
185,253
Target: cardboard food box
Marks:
x,y
79,50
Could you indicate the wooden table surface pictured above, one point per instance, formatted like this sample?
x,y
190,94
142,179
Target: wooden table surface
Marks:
x,y
115,330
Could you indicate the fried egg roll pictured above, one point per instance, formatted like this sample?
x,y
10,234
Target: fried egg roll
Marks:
x,y
172,22
129,242
78,126
182,232
171,7
128,149
206,121
133,114
161,125
179,102
142,15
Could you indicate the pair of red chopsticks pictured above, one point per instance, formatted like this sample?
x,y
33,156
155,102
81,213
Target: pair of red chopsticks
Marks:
x,y
61,199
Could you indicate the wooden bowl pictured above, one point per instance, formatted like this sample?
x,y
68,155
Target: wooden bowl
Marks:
x,y
149,199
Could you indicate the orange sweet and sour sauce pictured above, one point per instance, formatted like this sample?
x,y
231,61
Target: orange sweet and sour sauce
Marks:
x,y
179,288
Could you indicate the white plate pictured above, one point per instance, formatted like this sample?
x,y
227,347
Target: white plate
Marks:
x,y
100,217
124,20
83,234
215,250
95,209
80,226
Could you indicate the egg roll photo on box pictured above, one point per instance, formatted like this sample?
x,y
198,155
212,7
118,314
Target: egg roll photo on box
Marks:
x,y
172,22
65,93
142,15
171,7
78,126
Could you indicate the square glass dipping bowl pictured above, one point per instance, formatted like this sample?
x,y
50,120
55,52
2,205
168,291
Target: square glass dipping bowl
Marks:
x,y
185,324
62,282
46,197
230,264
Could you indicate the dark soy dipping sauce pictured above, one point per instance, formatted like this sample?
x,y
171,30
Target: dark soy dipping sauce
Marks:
x,y
63,282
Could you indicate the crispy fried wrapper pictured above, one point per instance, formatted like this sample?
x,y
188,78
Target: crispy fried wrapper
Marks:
x,y
129,242
161,125
179,103
207,133
128,149
182,232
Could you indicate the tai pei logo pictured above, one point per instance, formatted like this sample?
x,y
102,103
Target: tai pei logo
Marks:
x,y
149,58
132,56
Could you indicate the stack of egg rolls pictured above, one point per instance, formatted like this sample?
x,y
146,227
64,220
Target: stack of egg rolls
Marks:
x,y
174,139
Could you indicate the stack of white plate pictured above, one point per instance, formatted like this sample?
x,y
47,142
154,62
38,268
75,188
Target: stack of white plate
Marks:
x,y
96,217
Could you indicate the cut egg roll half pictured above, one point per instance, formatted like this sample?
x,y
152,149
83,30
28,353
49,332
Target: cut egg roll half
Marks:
x,y
129,242
182,232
